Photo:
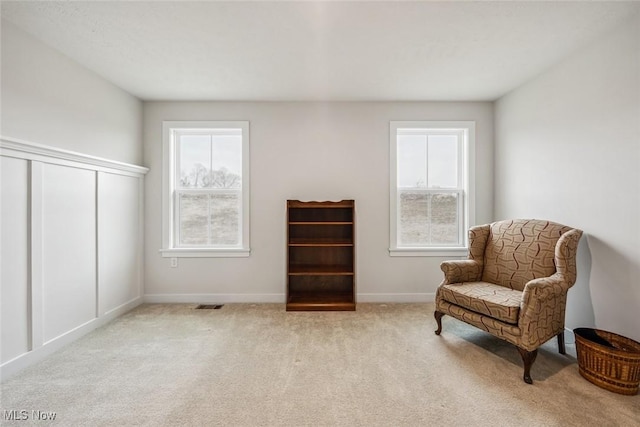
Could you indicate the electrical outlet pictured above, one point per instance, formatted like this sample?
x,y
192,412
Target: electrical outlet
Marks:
x,y
174,262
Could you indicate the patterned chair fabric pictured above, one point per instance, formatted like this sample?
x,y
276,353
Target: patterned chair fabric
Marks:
x,y
514,283
496,301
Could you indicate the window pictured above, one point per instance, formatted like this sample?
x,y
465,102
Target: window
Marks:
x,y
431,192
206,189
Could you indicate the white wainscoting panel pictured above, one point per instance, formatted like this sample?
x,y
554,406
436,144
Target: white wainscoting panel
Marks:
x,y
68,249
14,258
72,247
118,240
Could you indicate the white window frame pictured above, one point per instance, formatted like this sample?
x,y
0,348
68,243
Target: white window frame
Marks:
x,y
170,247
467,176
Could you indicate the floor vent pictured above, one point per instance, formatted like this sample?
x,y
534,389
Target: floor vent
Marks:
x,y
209,306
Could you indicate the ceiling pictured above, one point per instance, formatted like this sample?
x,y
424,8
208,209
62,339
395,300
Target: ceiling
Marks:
x,y
312,50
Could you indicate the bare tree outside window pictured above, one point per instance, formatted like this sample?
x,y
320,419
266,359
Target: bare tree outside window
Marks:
x,y
200,177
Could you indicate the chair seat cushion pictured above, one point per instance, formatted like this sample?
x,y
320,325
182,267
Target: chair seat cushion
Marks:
x,y
486,298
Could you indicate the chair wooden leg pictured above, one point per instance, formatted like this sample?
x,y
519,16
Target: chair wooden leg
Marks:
x,y
561,349
528,357
438,315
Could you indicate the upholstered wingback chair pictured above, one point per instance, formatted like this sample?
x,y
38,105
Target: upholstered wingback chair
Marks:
x,y
514,283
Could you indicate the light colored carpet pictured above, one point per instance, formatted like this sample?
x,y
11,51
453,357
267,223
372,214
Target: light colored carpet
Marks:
x,y
257,365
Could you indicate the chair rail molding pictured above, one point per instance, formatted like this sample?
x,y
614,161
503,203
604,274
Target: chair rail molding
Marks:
x,y
13,147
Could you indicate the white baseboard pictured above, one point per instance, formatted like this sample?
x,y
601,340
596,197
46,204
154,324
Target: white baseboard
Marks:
x,y
570,342
12,367
569,336
397,298
213,298
276,298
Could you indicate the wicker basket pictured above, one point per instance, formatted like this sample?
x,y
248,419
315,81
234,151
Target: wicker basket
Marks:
x,y
608,360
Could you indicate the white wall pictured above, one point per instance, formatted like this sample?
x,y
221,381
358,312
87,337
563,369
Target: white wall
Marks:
x,y
49,99
307,151
70,216
568,150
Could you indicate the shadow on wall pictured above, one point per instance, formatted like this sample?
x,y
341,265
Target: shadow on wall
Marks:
x,y
580,312
613,286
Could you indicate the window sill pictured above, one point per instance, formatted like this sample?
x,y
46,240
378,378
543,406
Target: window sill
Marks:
x,y
429,252
204,253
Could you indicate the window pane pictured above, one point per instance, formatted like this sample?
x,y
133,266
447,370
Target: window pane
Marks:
x,y
227,161
195,161
443,161
414,218
225,219
428,218
444,218
412,161
193,216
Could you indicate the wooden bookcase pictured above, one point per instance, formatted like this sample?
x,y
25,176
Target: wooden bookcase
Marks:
x,y
320,255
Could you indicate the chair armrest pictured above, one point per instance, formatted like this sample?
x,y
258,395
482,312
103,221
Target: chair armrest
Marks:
x,y
543,288
468,270
542,310
463,270
565,255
